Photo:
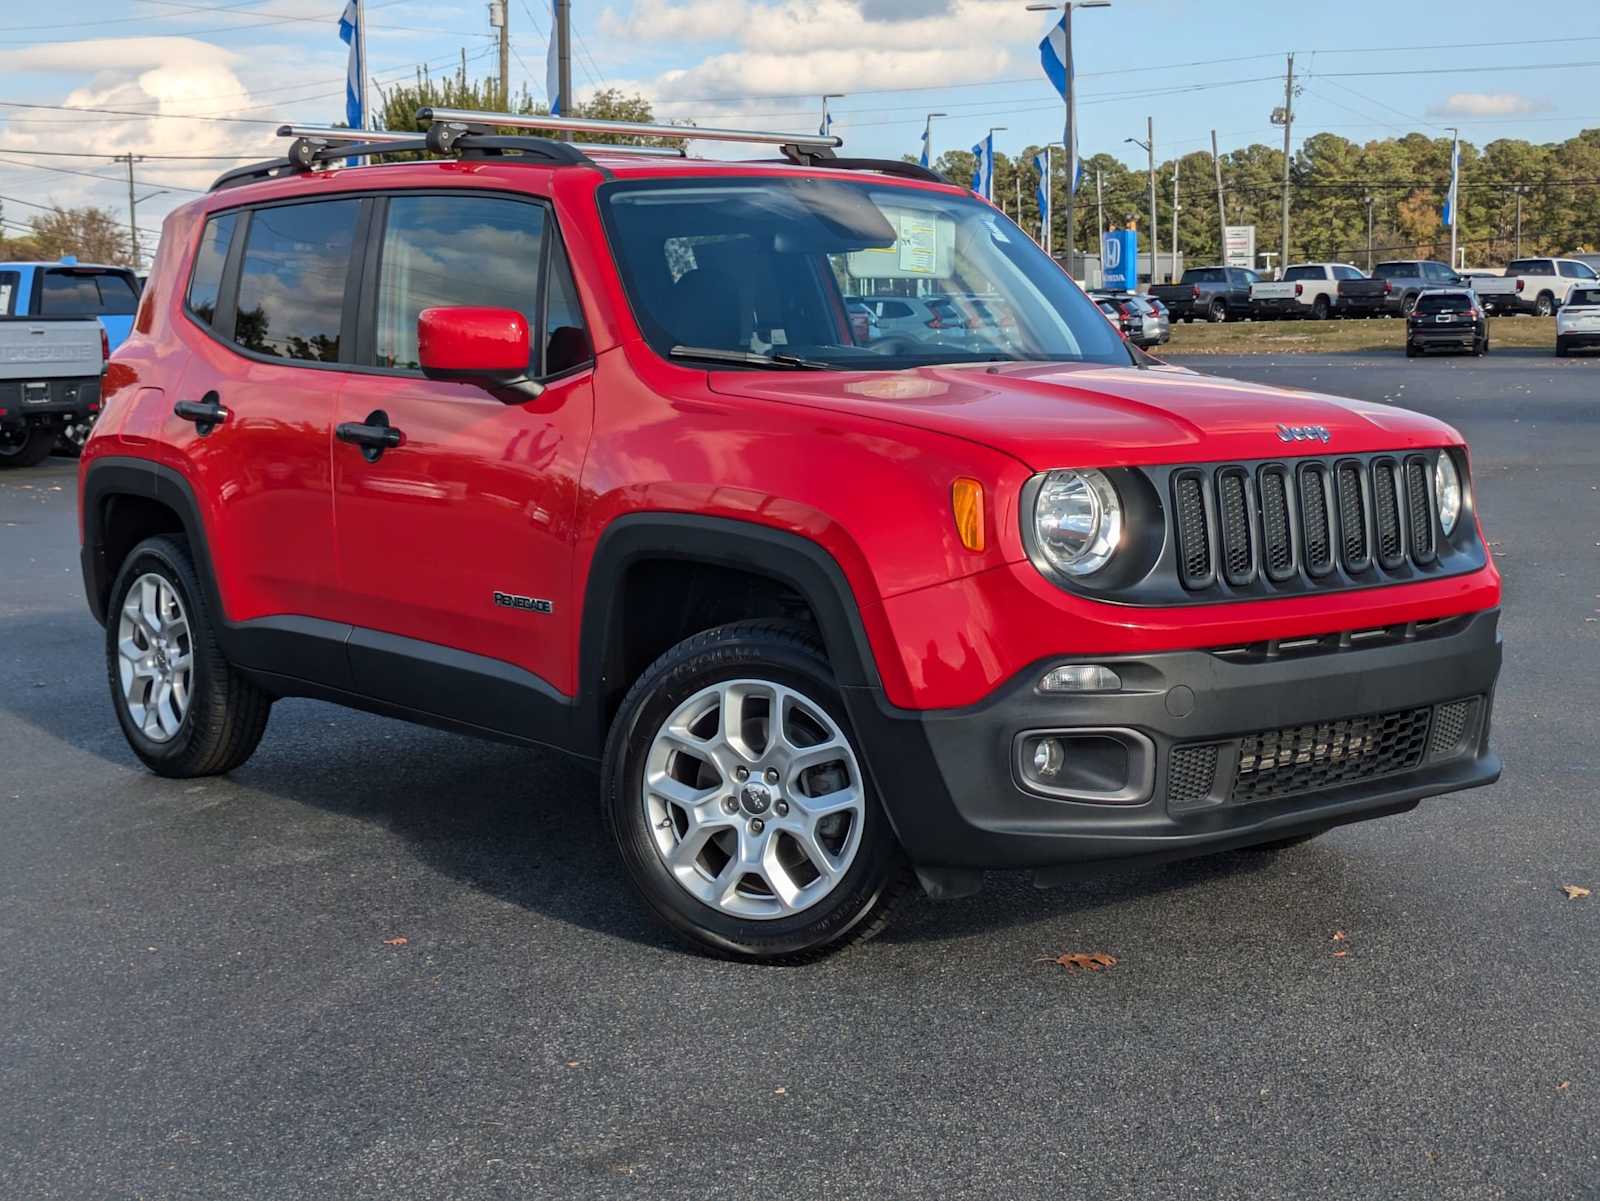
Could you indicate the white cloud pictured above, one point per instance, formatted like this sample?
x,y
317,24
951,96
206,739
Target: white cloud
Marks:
x,y
1488,104
794,47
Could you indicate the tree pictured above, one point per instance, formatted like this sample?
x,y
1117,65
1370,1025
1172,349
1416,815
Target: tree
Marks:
x,y
94,235
401,102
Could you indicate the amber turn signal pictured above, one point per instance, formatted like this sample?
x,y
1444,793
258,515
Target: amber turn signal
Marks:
x,y
966,500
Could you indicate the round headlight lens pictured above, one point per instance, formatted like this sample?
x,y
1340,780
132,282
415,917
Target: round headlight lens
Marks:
x,y
1447,487
1077,521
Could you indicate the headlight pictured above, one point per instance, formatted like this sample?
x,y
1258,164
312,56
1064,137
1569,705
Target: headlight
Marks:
x,y
1447,487
1077,521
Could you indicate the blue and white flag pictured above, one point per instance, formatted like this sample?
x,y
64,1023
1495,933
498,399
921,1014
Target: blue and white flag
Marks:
x,y
1057,63
350,35
552,69
983,178
927,138
1453,195
826,127
1041,164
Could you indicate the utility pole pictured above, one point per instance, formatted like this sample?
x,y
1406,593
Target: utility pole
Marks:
x,y
1172,273
361,56
563,33
133,221
1155,225
1222,212
1519,190
1370,201
1288,133
1047,218
1455,194
1099,210
500,18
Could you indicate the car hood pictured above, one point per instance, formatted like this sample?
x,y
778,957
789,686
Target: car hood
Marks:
x,y
1063,414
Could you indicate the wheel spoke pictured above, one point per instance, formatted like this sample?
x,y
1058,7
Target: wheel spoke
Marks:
x,y
676,791
844,800
778,878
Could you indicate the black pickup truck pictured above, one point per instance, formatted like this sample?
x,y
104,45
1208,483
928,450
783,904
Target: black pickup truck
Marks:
x,y
1209,293
1394,287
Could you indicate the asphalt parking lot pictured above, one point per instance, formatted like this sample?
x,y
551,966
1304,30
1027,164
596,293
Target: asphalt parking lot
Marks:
x,y
204,994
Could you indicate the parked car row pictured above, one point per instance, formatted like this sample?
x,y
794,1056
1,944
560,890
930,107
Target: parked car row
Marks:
x,y
1142,320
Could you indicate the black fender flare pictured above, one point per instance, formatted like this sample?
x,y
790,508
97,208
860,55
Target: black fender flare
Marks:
x,y
788,558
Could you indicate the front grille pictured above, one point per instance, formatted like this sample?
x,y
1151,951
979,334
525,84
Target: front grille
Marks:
x,y
1191,774
1294,759
1264,529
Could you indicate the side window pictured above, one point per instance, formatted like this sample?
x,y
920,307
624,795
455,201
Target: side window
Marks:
x,y
566,341
292,280
8,291
894,308
444,251
206,282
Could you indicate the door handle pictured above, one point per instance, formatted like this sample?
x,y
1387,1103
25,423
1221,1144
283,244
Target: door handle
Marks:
x,y
207,413
374,435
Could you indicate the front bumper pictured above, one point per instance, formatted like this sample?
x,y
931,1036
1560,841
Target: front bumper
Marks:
x,y
1223,750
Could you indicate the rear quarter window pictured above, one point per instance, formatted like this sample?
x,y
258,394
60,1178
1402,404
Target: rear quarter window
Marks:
x,y
205,282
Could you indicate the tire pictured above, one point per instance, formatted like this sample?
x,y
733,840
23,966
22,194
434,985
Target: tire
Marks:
x,y
743,916
1217,312
1561,348
1480,348
27,447
1411,350
1319,309
1545,306
70,441
225,715
1407,304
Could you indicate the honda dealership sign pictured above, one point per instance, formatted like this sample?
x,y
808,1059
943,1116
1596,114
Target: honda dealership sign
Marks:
x,y
1239,248
1119,260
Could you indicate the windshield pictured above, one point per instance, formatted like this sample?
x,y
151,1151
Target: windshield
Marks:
x,y
1395,271
768,265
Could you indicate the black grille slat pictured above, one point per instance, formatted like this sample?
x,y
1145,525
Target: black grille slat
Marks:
x,y
1419,510
1276,535
1386,514
1307,758
1192,774
1194,531
1233,515
1352,517
1315,535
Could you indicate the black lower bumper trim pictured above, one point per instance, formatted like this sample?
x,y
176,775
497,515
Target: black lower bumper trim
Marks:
x,y
949,782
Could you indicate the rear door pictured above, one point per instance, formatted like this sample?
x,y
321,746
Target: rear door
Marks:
x,y
109,293
455,546
268,326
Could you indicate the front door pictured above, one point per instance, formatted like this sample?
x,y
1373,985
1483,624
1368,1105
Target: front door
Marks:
x,y
455,545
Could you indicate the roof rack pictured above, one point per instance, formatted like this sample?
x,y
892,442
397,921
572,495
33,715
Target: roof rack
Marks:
x,y
470,133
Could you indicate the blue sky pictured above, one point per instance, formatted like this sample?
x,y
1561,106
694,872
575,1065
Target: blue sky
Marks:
x,y
766,63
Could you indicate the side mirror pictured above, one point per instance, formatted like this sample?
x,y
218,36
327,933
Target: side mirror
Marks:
x,y
488,347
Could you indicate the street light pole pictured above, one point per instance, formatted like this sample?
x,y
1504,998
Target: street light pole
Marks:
x,y
927,138
1150,149
1370,201
1070,141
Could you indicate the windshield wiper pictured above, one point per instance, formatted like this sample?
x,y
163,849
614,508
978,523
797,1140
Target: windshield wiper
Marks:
x,y
748,358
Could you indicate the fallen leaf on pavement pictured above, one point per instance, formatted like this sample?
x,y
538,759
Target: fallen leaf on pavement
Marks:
x,y
1340,954
1563,1086
778,1092
395,942
1091,962
1340,936
1574,891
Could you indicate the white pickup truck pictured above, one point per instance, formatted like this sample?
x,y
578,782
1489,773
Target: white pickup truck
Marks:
x,y
1539,286
1306,290
50,369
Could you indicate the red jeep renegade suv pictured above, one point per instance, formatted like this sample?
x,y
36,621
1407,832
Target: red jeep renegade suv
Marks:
x,y
581,448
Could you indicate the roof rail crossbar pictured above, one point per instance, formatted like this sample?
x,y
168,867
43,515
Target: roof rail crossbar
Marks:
x,y
812,143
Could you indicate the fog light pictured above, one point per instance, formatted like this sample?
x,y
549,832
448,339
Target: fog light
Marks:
x,y
1081,677
1047,757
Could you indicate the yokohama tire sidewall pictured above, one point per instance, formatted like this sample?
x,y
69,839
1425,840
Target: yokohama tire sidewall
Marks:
x,y
156,557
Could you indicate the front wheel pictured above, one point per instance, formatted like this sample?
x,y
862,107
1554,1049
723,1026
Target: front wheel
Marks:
x,y
735,790
25,445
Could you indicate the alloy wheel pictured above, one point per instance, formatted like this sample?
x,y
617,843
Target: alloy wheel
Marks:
x,y
155,657
754,799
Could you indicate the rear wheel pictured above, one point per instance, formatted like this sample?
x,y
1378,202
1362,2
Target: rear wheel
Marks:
x,y
25,445
183,707
735,791
1480,347
1319,309
1411,350
1545,306
1407,305
1561,348
1218,312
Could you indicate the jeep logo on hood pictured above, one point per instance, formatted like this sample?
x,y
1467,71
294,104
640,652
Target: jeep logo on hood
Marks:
x,y
1303,433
